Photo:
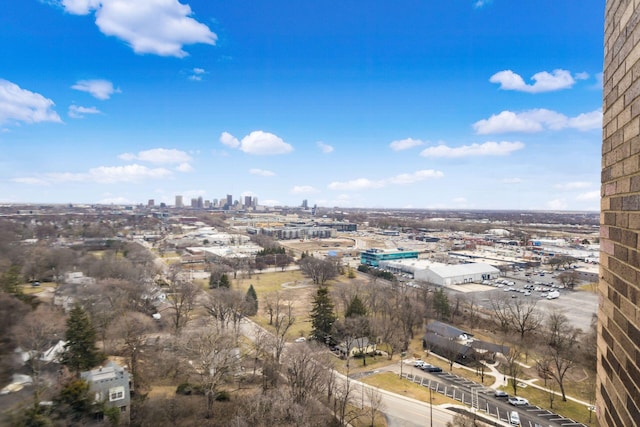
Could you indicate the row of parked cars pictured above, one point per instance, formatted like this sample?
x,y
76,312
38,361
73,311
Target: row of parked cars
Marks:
x,y
426,366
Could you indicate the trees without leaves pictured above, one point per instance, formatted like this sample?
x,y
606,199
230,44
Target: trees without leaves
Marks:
x,y
524,316
319,270
562,342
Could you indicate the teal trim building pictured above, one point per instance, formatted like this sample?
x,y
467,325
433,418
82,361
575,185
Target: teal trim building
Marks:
x,y
373,257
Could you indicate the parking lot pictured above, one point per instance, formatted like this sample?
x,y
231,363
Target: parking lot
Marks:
x,y
483,399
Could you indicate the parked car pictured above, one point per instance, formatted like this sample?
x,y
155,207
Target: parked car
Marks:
x,y
301,339
430,368
518,401
500,393
514,418
418,363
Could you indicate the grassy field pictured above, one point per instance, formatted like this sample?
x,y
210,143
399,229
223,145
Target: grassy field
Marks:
x,y
290,286
392,382
569,409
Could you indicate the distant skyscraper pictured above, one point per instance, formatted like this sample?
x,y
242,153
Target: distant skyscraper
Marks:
x,y
200,203
151,203
229,200
194,202
214,203
247,201
255,202
618,383
179,203
305,204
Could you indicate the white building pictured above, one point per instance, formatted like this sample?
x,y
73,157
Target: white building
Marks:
x,y
444,274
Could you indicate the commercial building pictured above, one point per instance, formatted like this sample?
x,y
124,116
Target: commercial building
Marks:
x,y
443,274
618,383
374,257
179,203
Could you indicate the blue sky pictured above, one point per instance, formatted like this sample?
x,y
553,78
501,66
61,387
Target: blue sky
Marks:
x,y
470,104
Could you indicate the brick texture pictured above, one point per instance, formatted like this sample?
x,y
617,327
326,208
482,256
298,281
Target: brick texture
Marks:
x,y
618,384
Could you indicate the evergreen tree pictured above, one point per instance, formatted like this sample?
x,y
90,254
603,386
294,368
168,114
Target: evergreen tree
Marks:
x,y
322,315
251,299
355,308
441,304
80,352
224,282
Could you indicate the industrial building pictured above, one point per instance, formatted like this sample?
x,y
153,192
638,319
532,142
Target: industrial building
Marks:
x,y
443,274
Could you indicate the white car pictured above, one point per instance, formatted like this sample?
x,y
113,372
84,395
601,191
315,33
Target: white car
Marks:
x,y
518,401
514,418
301,339
418,364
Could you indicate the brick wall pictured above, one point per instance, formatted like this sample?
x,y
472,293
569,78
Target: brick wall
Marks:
x,y
618,385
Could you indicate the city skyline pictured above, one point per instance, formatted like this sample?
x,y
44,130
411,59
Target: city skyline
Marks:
x,y
472,104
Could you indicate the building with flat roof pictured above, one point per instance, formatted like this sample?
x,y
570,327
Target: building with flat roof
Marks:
x,y
443,274
110,384
374,257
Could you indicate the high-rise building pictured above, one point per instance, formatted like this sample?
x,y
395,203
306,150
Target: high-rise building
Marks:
x,y
194,202
618,383
305,204
151,203
179,203
200,203
247,201
229,200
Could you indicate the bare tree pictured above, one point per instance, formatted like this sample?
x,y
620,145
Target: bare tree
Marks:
x,y
305,375
131,329
319,270
524,316
562,342
500,308
40,330
181,298
374,398
214,358
226,306
569,278
514,368
283,321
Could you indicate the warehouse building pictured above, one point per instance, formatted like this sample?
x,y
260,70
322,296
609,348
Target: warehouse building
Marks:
x,y
443,274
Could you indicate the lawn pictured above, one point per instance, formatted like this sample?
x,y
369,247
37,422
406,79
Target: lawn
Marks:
x,y
569,409
392,382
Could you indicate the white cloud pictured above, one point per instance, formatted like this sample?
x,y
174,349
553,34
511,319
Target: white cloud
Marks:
x,y
270,202
196,74
544,81
487,149
402,179
581,76
113,174
303,189
184,167
261,172
158,156
410,178
159,27
100,89
116,200
21,105
356,184
31,181
537,120
478,4
511,181
576,185
557,204
589,196
78,112
460,200
258,143
229,140
405,144
325,148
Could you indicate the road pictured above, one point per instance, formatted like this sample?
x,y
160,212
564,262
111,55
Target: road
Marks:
x,y
400,411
